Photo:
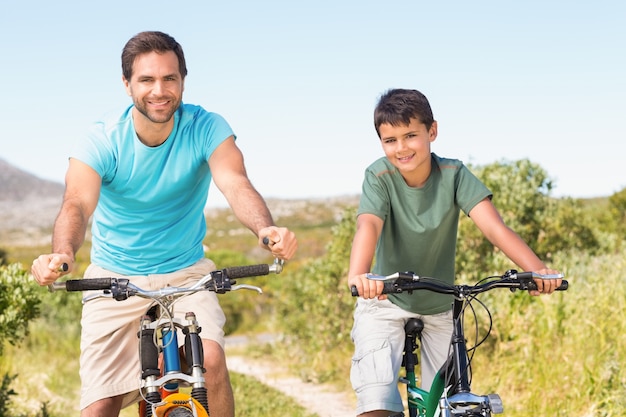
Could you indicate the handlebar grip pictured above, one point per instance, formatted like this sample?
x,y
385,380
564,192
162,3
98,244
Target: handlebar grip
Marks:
x,y
532,286
563,287
88,284
388,288
247,271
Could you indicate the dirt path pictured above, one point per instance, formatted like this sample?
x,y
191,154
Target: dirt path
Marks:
x,y
320,399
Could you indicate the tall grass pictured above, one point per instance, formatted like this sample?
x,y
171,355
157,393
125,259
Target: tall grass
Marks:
x,y
561,355
557,355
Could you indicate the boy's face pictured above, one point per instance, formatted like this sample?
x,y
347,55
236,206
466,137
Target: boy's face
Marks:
x,y
407,147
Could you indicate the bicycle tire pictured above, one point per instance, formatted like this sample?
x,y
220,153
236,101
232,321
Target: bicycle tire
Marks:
x,y
178,405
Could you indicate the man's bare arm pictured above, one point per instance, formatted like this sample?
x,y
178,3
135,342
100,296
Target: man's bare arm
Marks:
x,y
82,191
229,174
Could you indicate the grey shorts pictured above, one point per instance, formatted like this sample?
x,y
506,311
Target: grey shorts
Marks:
x,y
378,336
109,360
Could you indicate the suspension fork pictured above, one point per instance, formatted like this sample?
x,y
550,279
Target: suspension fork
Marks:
x,y
194,356
149,356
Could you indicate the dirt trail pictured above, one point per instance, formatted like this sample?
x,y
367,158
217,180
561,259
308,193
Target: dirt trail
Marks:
x,y
321,399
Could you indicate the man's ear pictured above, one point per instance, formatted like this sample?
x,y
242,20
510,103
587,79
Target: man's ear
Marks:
x,y
126,85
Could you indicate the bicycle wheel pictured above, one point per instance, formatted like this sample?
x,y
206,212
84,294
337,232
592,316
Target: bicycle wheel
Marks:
x,y
179,412
180,405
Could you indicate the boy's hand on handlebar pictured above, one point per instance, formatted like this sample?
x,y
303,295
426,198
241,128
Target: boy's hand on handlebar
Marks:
x,y
367,288
49,267
546,286
280,241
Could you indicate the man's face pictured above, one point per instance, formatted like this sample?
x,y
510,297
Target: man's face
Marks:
x,y
156,85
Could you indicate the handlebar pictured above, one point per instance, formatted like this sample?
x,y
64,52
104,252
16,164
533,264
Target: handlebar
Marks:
x,y
219,281
408,282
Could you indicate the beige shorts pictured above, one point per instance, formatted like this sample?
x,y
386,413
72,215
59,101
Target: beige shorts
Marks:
x,y
109,360
378,335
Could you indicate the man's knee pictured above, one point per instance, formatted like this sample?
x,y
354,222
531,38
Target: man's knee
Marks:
x,y
214,357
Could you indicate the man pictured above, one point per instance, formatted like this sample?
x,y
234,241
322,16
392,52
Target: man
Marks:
x,y
144,176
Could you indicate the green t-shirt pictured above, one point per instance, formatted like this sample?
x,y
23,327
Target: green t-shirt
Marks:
x,y
420,224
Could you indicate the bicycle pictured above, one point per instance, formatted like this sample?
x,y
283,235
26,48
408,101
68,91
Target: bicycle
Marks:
x,y
161,388
450,393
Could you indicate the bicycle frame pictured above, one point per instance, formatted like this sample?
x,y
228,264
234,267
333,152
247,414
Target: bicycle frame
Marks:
x,y
450,392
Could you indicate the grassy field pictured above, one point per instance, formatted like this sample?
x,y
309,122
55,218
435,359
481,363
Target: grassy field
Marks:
x,y
46,363
558,355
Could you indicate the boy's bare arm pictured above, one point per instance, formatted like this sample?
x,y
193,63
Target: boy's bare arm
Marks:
x,y
368,229
489,221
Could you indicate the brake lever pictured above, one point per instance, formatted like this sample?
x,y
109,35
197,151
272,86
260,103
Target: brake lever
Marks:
x,y
246,287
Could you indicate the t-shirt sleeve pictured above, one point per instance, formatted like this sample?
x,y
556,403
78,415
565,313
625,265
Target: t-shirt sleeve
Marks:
x,y
470,190
97,152
374,197
216,131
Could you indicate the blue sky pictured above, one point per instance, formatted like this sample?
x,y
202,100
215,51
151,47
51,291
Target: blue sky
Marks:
x,y
298,81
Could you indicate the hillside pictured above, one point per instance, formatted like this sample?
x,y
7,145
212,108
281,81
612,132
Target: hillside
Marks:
x,y
28,206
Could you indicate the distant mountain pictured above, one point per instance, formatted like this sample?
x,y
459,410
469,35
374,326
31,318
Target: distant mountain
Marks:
x,y
28,206
19,185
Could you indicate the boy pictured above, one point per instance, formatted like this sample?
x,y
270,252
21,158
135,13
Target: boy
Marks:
x,y
407,221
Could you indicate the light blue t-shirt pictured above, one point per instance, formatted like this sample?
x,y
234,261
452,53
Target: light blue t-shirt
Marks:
x,y
150,216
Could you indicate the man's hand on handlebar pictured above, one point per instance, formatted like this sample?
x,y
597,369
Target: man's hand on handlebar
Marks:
x,y
278,240
48,268
546,286
367,288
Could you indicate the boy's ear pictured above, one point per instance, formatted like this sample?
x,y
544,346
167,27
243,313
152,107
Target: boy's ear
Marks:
x,y
433,131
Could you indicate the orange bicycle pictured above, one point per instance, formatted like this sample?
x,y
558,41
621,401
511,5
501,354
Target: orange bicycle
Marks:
x,y
161,388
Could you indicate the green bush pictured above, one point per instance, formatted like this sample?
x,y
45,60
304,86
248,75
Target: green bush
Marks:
x,y
19,303
316,310
243,308
521,193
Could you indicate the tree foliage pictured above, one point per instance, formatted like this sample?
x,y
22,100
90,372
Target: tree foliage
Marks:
x,y
316,308
19,303
3,257
617,211
521,193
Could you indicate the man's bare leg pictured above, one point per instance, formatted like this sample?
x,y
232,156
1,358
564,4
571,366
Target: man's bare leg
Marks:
x,y
377,413
107,407
219,390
